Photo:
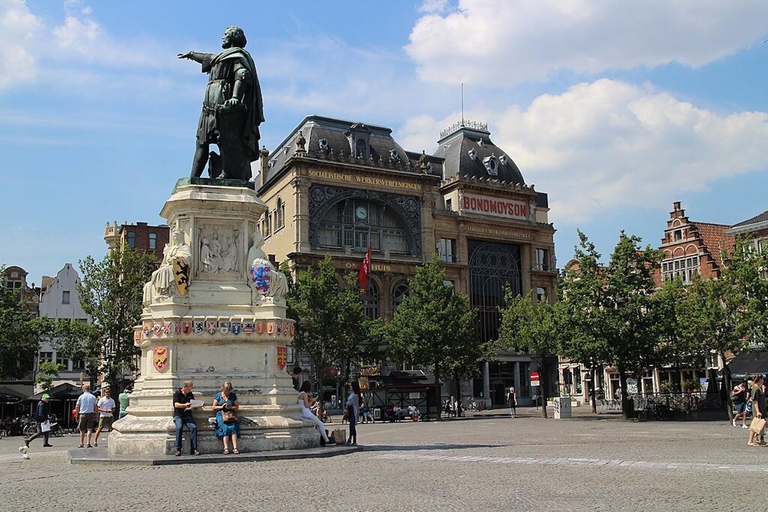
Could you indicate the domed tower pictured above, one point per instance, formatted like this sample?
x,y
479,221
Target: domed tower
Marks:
x,y
468,150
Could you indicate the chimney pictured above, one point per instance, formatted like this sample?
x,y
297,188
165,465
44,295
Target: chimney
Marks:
x,y
263,164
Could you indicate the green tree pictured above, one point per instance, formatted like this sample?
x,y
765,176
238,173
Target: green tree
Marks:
x,y
532,326
581,293
331,327
434,326
19,342
628,320
46,372
746,270
111,293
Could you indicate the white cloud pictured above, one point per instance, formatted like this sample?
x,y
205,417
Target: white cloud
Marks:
x,y
433,6
608,145
501,42
80,36
18,28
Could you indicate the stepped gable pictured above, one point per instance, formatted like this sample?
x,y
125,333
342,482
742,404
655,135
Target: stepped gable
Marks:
x,y
335,139
468,150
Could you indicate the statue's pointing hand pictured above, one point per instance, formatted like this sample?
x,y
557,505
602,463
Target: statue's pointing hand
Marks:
x,y
187,55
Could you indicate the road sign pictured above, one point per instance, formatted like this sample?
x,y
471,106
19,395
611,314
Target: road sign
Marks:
x,y
534,378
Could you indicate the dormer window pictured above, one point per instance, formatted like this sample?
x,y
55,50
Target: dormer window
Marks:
x,y
491,164
323,144
472,154
481,143
503,159
359,137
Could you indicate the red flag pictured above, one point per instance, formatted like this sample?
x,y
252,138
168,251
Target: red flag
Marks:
x,y
365,268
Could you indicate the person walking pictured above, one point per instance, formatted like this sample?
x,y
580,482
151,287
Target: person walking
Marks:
x,y
85,411
105,406
512,402
305,403
124,399
739,397
227,427
353,410
43,425
758,409
182,415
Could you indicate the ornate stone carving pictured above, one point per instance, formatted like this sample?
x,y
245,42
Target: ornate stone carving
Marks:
x,y
219,250
269,282
172,277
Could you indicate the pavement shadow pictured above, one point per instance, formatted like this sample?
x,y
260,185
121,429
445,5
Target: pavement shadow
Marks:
x,y
409,448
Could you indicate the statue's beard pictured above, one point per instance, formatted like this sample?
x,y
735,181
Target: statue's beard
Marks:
x,y
226,44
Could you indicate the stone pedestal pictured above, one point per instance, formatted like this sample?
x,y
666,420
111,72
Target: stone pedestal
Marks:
x,y
204,321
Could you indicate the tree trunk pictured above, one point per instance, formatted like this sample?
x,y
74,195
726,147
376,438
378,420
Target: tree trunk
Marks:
x,y
624,401
593,391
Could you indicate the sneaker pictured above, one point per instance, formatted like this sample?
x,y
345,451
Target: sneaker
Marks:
x,y
48,445
744,426
195,452
96,444
81,446
178,453
89,446
734,422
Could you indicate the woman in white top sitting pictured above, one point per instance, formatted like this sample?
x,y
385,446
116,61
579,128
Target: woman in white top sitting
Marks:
x,y
306,403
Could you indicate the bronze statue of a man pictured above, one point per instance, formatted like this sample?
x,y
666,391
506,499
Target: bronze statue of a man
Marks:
x,y
232,109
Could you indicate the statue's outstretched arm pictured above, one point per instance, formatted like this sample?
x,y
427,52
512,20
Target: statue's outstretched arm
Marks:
x,y
195,56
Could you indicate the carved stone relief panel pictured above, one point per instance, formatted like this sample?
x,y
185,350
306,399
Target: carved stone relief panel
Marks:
x,y
220,247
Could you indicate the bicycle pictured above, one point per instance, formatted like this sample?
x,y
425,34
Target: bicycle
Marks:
x,y
471,405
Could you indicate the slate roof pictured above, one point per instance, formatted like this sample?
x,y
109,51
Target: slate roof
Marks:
x,y
334,132
758,219
456,146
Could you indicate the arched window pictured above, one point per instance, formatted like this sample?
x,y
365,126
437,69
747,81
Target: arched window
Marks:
x,y
399,292
356,222
371,300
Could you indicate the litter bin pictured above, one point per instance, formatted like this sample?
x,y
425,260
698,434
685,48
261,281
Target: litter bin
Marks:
x,y
562,407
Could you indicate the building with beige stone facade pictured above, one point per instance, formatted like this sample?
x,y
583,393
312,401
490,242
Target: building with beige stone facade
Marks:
x,y
333,187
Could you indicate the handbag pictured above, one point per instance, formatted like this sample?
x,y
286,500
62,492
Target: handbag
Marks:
x,y
228,417
757,426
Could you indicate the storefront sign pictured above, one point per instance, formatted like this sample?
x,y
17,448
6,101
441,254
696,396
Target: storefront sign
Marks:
x,y
494,206
506,233
375,267
363,180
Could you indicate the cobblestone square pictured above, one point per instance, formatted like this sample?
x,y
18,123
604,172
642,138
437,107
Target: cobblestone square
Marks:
x,y
493,463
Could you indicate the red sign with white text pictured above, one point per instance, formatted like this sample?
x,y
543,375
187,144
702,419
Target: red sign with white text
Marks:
x,y
494,206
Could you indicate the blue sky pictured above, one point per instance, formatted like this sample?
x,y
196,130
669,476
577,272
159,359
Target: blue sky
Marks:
x,y
615,108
